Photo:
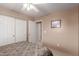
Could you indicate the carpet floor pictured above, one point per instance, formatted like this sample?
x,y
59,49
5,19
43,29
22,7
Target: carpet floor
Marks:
x,y
21,49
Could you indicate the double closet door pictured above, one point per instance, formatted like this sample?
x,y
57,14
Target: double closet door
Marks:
x,y
34,31
21,30
12,30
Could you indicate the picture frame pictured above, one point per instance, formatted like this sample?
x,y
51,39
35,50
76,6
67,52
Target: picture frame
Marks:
x,y
56,24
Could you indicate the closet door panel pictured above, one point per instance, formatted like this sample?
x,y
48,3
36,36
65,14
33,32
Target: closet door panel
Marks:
x,y
10,30
32,32
3,31
6,30
21,30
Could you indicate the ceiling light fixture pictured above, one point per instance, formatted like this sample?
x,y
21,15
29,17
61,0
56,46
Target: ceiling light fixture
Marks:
x,y
29,6
26,6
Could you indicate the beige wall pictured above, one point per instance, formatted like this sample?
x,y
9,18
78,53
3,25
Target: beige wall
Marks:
x,y
8,12
64,39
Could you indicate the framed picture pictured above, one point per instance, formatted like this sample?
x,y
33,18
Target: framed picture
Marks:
x,y
56,24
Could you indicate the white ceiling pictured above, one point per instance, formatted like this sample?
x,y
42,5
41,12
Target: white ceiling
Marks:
x,y
44,9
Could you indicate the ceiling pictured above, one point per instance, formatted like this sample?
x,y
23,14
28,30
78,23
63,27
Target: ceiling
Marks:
x,y
43,8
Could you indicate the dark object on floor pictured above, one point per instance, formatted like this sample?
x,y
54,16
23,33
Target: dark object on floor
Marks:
x,y
48,53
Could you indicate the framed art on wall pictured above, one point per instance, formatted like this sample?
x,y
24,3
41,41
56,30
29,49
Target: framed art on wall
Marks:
x,y
55,23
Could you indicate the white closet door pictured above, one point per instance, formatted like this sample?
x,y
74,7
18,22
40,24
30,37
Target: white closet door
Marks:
x,y
7,32
10,30
32,32
21,30
39,31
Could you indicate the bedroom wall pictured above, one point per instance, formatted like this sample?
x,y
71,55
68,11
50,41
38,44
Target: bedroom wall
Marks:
x,y
64,40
